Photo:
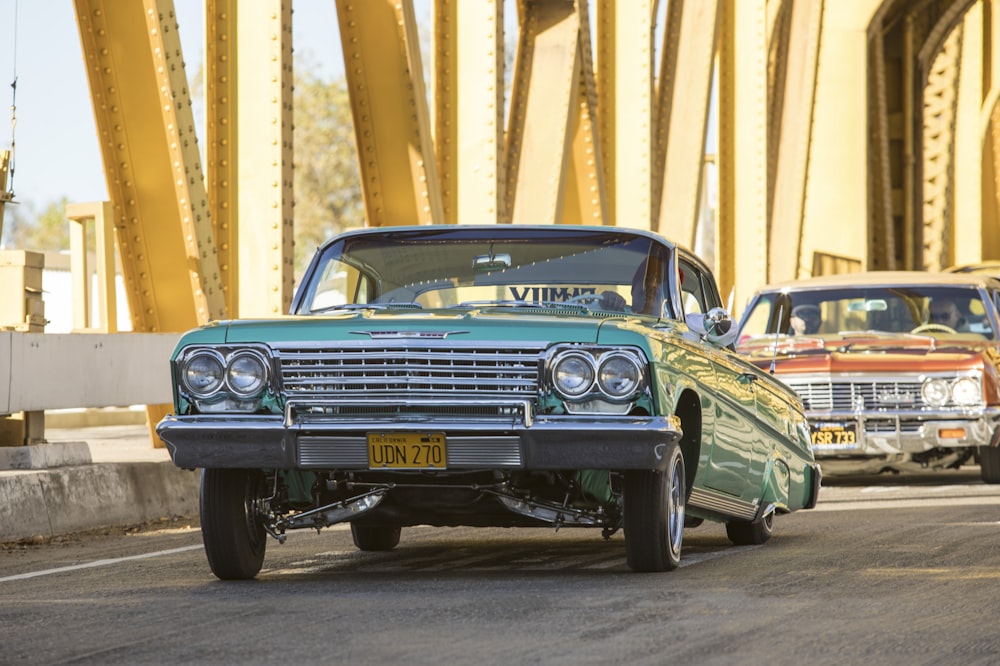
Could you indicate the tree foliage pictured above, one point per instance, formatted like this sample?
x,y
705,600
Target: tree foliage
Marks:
x,y
24,228
327,184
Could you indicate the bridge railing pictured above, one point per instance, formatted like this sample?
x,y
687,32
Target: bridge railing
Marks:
x,y
48,371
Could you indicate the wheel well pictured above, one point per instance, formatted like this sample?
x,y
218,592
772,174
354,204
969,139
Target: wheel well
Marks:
x,y
689,412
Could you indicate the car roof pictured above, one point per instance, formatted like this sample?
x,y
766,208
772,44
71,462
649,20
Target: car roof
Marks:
x,y
989,267
506,230
884,279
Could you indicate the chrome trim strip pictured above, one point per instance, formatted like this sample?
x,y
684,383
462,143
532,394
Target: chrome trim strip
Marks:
x,y
714,501
527,416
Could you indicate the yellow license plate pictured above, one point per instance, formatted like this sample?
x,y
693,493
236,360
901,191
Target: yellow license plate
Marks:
x,y
833,436
406,450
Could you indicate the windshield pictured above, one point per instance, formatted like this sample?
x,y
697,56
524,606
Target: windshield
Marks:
x,y
506,266
924,310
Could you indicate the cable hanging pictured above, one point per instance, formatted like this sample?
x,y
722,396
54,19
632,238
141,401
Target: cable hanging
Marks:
x,y
8,163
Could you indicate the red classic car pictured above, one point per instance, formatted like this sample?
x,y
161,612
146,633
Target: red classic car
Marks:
x,y
898,370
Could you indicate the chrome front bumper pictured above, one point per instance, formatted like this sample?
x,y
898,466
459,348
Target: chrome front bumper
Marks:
x,y
550,442
908,432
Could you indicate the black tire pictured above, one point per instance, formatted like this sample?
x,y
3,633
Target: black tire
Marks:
x,y
989,464
375,537
654,515
234,536
745,533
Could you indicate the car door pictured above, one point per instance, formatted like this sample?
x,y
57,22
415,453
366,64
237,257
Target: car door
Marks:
x,y
736,460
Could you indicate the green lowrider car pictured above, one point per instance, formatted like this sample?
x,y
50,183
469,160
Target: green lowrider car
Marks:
x,y
487,376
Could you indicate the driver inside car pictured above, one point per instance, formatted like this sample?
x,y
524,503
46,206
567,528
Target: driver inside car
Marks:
x,y
610,300
944,311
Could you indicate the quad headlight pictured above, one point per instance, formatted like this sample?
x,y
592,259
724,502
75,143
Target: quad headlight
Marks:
x,y
223,378
967,391
602,373
246,373
964,391
935,392
573,374
203,373
619,375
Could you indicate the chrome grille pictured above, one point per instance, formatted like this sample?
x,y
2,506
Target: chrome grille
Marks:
x,y
878,395
405,370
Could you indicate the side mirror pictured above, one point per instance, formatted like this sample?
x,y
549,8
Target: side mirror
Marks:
x,y
716,326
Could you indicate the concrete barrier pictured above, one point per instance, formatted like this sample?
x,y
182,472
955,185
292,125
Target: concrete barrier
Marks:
x,y
63,500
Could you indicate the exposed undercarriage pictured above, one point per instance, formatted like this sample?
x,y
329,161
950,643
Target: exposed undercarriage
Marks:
x,y
574,498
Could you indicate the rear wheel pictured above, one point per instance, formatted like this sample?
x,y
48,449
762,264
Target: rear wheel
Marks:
x,y
745,533
230,525
375,537
654,515
989,464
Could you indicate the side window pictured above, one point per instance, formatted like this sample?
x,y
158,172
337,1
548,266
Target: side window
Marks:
x,y
696,296
340,283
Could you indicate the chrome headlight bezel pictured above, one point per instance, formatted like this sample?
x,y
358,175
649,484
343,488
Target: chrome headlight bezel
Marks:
x,y
244,375
237,370
569,366
188,370
935,391
596,373
967,391
628,370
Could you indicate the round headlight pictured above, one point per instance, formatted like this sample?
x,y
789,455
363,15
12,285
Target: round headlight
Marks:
x,y
618,375
935,392
573,375
246,374
202,373
967,391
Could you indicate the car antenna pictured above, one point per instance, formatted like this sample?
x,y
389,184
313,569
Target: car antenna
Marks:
x,y
777,332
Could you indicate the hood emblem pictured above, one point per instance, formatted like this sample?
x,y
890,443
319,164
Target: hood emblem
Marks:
x,y
396,335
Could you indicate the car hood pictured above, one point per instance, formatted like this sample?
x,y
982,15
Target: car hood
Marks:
x,y
501,325
866,353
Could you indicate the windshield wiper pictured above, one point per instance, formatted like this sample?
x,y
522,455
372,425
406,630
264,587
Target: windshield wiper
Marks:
x,y
560,305
354,307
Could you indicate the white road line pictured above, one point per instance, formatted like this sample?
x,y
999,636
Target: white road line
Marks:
x,y
98,563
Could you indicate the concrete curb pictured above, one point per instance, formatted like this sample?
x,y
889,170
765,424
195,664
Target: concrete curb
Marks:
x,y
68,499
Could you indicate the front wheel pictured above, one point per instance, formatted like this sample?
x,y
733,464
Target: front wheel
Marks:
x,y
654,515
989,464
230,525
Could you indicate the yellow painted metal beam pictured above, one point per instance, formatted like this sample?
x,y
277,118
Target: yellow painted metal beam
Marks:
x,y
222,144
742,235
967,215
989,128
146,130
101,216
145,126
684,93
586,195
264,160
832,194
546,80
625,98
792,116
385,78
468,75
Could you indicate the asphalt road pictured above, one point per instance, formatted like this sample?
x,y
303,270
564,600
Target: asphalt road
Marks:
x,y
886,571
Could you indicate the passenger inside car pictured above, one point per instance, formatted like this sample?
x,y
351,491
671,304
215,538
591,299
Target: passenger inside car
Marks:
x,y
805,319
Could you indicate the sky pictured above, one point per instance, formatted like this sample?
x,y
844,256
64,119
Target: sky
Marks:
x,y
56,152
